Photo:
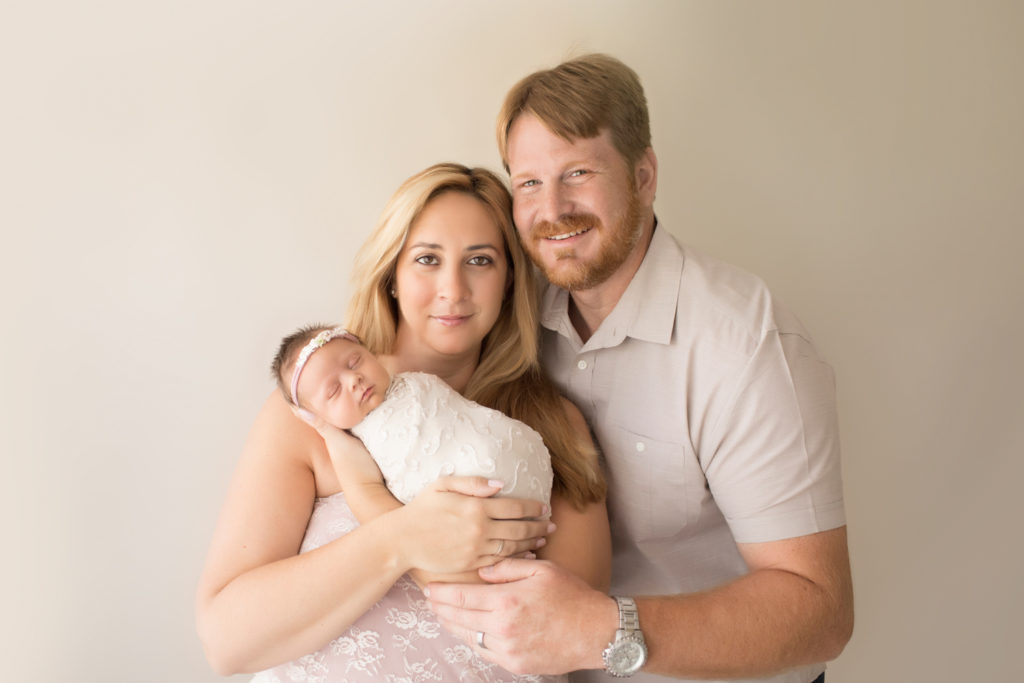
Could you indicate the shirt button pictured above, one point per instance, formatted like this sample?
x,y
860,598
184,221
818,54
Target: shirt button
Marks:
x,y
640,446
582,365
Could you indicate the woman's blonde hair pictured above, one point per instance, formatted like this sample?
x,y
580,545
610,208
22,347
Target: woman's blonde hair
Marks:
x,y
508,376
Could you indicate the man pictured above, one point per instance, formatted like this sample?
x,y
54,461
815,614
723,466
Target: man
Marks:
x,y
714,413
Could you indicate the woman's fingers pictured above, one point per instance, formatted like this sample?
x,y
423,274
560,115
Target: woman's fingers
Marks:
x,y
507,548
457,527
515,508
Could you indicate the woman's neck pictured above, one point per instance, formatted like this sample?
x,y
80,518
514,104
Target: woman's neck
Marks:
x,y
454,370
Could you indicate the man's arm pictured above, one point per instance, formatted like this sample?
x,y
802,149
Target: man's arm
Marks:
x,y
794,607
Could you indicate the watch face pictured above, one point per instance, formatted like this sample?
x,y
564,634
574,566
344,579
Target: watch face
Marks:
x,y
627,656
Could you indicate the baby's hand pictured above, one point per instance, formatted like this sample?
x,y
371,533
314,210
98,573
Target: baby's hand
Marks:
x,y
306,416
332,436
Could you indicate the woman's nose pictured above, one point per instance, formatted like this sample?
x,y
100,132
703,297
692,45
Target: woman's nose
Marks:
x,y
453,285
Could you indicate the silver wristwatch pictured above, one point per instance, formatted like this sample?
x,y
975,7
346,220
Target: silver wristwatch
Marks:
x,y
625,656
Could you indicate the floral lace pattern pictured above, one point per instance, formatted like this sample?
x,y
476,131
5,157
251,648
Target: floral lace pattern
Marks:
x,y
425,429
399,640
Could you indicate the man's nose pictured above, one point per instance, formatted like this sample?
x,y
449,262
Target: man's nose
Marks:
x,y
555,204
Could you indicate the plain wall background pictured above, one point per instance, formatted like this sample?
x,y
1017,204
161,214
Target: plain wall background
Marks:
x,y
181,183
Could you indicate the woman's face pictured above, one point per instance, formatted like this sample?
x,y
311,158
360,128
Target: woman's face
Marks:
x,y
450,278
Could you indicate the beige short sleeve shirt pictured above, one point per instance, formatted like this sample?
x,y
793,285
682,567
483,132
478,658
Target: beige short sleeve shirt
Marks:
x,y
715,415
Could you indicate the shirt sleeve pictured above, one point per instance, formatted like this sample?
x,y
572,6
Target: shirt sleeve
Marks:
x,y
773,463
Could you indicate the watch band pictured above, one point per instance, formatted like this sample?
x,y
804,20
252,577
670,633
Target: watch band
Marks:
x,y
629,619
628,652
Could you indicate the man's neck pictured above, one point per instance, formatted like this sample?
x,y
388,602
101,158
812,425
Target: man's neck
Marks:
x,y
589,307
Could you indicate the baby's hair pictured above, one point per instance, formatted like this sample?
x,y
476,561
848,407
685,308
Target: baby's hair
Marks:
x,y
288,353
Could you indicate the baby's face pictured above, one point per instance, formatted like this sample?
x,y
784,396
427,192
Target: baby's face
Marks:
x,y
342,382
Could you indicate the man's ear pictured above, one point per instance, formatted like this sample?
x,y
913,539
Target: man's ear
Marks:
x,y
645,175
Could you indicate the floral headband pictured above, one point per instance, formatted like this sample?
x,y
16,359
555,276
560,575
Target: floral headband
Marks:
x,y
313,345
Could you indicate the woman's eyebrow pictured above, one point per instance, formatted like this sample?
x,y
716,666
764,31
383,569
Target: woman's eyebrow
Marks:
x,y
471,247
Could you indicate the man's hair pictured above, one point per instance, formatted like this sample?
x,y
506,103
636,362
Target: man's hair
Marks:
x,y
579,99
288,353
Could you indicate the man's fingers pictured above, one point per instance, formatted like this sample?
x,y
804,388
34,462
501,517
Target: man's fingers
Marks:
x,y
458,596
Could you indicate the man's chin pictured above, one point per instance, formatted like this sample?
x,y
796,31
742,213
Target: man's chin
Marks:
x,y
569,274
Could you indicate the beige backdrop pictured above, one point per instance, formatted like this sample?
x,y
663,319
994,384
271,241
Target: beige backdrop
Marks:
x,y
183,182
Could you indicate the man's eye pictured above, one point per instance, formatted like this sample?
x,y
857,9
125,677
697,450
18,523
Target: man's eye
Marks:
x,y
577,173
529,183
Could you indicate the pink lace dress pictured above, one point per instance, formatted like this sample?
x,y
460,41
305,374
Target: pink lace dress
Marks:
x,y
399,640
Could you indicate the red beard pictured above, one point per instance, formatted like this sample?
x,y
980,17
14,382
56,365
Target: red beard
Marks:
x,y
571,272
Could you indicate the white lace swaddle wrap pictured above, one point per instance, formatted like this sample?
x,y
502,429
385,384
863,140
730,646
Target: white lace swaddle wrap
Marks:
x,y
424,429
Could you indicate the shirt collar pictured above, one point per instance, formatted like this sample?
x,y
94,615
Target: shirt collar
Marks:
x,y
646,310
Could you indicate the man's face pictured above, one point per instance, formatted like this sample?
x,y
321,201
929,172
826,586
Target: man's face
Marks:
x,y
576,204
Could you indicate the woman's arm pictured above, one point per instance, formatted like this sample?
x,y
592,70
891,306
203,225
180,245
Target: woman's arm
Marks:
x,y
259,603
582,541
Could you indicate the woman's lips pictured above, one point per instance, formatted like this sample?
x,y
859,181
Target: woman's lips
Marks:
x,y
451,320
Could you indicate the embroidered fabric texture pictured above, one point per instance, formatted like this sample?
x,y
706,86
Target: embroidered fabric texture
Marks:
x,y
425,429
399,640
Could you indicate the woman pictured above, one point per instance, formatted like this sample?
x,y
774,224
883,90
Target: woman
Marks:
x,y
442,286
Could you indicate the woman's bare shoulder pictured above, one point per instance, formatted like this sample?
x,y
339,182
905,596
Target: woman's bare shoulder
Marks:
x,y
281,443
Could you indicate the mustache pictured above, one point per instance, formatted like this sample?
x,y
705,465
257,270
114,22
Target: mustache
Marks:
x,y
568,223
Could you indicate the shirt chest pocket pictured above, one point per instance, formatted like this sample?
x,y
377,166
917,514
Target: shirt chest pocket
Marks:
x,y
656,486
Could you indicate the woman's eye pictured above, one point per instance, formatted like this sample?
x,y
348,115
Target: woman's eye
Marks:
x,y
480,261
427,260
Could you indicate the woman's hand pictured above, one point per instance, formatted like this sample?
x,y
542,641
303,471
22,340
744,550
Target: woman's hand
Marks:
x,y
455,525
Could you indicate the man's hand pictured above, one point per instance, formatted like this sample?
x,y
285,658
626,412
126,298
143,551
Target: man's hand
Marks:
x,y
536,617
